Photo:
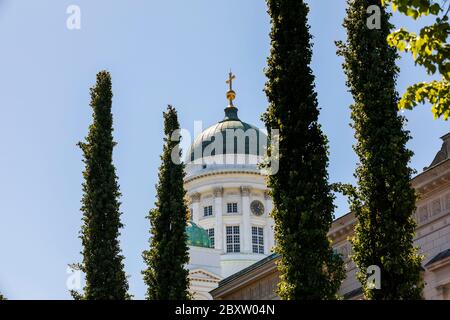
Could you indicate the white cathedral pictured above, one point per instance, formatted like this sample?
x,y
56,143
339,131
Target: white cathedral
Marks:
x,y
230,227
230,235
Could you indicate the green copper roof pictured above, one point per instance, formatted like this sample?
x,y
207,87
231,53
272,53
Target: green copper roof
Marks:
x,y
253,144
197,236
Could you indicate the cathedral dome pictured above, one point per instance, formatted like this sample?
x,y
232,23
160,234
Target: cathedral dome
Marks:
x,y
231,136
197,236
243,138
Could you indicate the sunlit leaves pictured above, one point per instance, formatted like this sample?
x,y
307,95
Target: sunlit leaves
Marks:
x,y
430,49
414,8
436,92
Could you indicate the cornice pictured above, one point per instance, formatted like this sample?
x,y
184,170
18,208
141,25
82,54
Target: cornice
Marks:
x,y
432,178
444,263
342,226
221,172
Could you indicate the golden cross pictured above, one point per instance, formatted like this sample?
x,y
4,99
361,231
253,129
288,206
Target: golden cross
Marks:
x,y
231,77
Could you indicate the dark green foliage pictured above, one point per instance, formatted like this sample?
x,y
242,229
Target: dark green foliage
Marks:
x,y
303,202
102,259
2,297
166,276
384,201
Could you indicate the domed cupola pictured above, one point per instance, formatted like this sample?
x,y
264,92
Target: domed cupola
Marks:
x,y
228,199
231,136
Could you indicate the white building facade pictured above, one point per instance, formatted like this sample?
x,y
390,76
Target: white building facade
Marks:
x,y
228,200
259,281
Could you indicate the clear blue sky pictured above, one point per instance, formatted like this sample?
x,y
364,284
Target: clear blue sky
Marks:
x,y
158,52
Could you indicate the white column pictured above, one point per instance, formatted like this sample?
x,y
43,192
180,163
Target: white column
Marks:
x,y
218,205
269,231
195,198
246,231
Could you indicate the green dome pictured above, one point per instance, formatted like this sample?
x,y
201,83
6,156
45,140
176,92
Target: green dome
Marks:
x,y
230,122
197,236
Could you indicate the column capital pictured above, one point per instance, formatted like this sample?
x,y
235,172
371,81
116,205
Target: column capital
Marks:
x,y
245,191
218,192
194,197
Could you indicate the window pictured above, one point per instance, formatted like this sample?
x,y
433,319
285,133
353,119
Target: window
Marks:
x,y
211,236
233,239
258,240
207,211
232,207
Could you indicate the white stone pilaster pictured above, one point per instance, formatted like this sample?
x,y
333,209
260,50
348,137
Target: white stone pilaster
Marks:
x,y
195,199
246,232
218,205
269,230
266,238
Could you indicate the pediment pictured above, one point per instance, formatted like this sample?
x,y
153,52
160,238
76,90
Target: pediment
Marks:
x,y
204,275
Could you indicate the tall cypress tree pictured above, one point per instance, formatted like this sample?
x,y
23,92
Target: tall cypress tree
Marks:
x,y
384,200
102,260
303,201
166,275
